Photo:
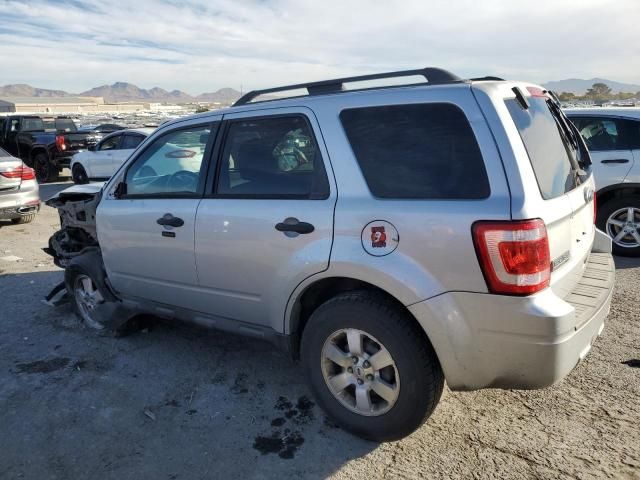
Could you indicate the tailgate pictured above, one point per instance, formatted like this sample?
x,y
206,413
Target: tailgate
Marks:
x,y
563,199
79,141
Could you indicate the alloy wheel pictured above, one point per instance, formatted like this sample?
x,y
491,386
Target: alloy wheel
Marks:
x,y
360,372
623,226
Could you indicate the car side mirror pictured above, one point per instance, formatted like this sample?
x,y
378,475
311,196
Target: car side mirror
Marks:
x,y
121,190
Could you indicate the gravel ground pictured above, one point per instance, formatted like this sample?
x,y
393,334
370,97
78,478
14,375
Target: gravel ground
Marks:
x,y
175,402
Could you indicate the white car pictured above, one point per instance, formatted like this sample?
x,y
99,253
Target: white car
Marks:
x,y
102,160
613,138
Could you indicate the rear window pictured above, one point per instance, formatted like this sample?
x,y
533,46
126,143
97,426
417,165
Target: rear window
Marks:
x,y
548,151
422,151
65,125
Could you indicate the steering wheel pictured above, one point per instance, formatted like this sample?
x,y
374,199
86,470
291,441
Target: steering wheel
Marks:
x,y
183,180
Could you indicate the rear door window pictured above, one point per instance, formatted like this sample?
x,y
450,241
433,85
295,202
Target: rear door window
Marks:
x,y
421,151
129,142
549,151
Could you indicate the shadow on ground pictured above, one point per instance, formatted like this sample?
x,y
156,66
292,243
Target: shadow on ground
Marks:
x,y
174,402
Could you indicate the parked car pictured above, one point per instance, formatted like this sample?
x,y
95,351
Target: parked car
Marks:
x,y
102,129
102,160
19,193
613,138
390,237
48,152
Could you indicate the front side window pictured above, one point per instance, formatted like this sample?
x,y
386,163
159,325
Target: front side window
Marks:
x,y
272,157
110,143
171,165
602,134
421,151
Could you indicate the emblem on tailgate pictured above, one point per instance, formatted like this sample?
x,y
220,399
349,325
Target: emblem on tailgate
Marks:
x,y
559,261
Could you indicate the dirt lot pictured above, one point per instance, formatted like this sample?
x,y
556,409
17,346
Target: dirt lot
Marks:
x,y
180,403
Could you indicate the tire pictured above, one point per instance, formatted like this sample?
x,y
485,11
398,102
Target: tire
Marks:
x,y
108,317
23,219
45,170
79,175
613,217
415,373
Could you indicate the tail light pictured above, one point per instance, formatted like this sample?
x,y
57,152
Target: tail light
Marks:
x,y
514,256
60,143
22,172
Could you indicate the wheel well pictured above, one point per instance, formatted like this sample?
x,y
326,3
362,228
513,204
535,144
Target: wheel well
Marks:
x,y
323,290
619,191
38,150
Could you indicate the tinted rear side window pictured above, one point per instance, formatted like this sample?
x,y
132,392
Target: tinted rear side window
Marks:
x,y
548,151
423,151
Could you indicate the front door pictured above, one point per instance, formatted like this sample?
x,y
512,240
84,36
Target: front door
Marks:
x,y
147,235
267,221
101,163
607,140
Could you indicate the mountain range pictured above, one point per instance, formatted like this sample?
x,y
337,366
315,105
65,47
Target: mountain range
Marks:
x,y
125,92
580,86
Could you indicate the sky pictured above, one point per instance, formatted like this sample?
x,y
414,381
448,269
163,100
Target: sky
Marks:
x,y
203,45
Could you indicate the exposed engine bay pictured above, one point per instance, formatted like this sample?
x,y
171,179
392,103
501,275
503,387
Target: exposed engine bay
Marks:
x,y
77,235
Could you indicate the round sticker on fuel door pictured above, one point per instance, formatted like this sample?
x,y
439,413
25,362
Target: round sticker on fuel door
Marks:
x,y
380,238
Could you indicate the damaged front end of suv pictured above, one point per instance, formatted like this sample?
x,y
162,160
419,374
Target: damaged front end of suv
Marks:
x,y
75,248
77,235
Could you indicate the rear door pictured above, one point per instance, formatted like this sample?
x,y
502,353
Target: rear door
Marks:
x,y
567,199
102,160
607,140
267,221
128,144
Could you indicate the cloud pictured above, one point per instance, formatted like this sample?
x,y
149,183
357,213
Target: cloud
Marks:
x,y
202,45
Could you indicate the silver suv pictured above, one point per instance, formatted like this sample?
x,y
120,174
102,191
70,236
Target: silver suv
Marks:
x,y
390,237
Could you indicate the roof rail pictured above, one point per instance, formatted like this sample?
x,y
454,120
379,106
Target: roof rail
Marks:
x,y
433,76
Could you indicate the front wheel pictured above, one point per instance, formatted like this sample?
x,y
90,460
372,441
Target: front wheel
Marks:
x,y
370,366
620,219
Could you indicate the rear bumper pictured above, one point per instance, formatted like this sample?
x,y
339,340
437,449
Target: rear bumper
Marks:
x,y
15,205
493,341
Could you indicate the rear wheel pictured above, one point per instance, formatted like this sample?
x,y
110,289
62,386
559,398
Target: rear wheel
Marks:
x,y
370,366
620,219
79,175
23,219
45,170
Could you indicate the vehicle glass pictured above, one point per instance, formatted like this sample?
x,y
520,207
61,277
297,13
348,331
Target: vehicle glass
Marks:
x,y
15,125
274,157
65,125
3,153
606,134
171,165
422,151
110,143
633,134
129,142
550,151
32,125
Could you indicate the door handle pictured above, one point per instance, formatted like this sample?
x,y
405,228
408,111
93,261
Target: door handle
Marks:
x,y
615,160
169,220
295,226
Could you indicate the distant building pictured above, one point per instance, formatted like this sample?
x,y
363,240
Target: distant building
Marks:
x,y
61,105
